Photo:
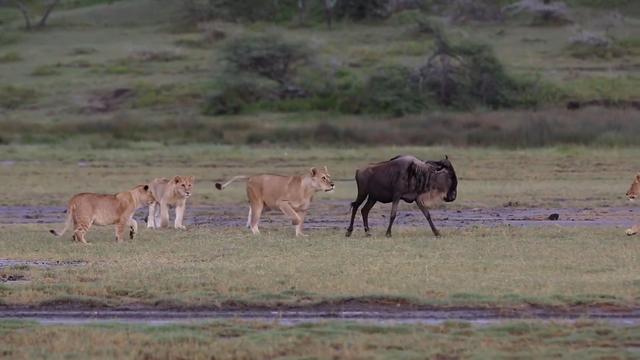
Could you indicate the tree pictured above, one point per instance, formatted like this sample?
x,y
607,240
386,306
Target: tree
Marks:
x,y
23,6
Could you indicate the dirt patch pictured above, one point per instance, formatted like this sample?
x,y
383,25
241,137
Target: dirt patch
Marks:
x,y
335,215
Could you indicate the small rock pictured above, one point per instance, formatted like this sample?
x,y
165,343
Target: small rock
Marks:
x,y
554,216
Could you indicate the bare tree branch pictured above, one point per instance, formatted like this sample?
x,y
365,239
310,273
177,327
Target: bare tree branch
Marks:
x,y
25,13
48,11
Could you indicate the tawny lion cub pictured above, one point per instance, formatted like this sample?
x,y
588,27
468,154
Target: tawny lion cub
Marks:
x,y
88,209
291,194
174,192
632,194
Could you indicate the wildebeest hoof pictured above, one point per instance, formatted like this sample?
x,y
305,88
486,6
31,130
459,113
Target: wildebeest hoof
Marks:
x,y
437,234
388,234
131,233
348,234
367,234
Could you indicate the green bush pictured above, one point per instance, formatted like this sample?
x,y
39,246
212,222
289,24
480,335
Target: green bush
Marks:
x,y
10,57
12,97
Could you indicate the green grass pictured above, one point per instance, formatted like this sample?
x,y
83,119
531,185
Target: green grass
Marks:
x,y
204,267
562,176
330,340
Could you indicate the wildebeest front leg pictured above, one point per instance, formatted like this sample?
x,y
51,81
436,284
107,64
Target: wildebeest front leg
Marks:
x,y
392,218
425,211
365,214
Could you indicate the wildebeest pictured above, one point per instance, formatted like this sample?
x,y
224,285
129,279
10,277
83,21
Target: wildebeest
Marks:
x,y
407,178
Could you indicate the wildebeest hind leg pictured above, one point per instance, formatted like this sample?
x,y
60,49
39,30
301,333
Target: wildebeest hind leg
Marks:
x,y
354,209
365,214
392,218
425,211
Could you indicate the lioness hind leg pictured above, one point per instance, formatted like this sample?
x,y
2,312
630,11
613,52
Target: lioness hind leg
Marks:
x,y
255,211
633,230
79,232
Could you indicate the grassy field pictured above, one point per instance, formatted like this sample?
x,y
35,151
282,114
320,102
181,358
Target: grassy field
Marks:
x,y
237,340
561,176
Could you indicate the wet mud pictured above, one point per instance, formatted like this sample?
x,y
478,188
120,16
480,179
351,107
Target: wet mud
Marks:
x,y
336,214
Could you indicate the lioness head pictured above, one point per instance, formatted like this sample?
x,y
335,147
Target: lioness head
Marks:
x,y
183,185
634,189
321,179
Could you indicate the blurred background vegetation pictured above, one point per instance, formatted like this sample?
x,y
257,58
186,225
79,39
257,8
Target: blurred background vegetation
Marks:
x,y
505,73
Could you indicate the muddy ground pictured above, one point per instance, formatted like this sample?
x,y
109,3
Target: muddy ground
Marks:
x,y
335,215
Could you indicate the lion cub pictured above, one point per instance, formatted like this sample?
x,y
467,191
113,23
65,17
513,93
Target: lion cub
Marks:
x,y
169,192
87,209
632,194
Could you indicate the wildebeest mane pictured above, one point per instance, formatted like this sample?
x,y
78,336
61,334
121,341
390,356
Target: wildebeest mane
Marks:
x,y
419,175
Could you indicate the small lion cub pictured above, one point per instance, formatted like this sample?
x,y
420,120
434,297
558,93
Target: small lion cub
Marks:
x,y
88,209
174,192
632,194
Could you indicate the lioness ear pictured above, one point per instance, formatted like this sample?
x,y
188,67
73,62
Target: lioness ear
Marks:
x,y
325,169
176,179
314,171
638,177
192,178
146,188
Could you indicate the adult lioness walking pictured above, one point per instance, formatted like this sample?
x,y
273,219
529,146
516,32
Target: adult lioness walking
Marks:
x,y
291,194
88,209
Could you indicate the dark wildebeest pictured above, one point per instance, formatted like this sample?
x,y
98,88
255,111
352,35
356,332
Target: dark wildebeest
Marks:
x,y
404,178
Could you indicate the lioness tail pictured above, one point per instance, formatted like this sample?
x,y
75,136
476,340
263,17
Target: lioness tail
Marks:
x,y
67,224
222,186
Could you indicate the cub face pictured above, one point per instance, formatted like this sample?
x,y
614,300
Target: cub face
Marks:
x,y
321,180
634,189
146,196
183,185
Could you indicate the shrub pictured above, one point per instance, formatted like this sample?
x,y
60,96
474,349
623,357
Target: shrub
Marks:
x,y
542,12
462,11
10,57
363,9
390,91
587,44
45,70
265,55
12,97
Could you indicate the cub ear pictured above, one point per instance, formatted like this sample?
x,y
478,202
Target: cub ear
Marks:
x,y
176,179
314,171
146,188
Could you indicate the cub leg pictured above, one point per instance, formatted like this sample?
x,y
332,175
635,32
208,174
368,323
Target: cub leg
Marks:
x,y
151,218
133,228
180,207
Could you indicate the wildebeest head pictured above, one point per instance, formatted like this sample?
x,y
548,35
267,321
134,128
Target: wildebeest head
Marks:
x,y
444,179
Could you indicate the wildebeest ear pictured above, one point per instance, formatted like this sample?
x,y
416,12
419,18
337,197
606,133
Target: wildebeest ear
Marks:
x,y
314,171
446,157
146,188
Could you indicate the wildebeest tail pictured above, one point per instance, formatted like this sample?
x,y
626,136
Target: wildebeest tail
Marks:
x,y
67,224
220,186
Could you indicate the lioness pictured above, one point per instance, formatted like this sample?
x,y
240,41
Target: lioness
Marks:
x,y
291,194
632,194
87,209
169,192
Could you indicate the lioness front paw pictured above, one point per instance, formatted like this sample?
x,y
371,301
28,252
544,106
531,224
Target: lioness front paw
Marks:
x,y
181,227
630,232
